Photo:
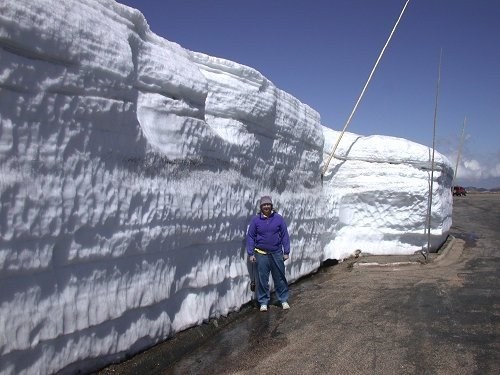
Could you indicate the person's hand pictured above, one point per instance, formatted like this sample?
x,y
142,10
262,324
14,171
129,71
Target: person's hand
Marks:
x,y
285,257
252,258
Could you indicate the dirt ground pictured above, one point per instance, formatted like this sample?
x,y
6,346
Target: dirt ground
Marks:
x,y
397,317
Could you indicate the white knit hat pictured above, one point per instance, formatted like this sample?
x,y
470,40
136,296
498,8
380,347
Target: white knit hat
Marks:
x,y
266,200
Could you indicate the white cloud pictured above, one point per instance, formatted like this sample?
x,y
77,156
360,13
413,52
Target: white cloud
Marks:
x,y
495,172
475,166
470,169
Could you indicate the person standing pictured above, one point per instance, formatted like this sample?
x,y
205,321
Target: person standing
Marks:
x,y
268,244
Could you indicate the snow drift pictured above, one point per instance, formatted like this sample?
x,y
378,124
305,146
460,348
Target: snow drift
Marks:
x,y
130,168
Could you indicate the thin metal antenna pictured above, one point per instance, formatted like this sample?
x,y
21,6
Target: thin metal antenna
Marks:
x,y
429,211
325,167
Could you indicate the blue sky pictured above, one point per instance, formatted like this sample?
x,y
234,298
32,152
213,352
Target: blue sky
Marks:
x,y
322,52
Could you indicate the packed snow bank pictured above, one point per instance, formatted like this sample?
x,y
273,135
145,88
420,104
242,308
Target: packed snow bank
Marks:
x,y
377,193
130,169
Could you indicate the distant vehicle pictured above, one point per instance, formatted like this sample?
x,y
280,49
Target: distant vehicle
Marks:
x,y
459,191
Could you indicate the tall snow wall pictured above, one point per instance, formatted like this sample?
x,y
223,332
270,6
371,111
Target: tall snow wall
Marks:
x,y
130,168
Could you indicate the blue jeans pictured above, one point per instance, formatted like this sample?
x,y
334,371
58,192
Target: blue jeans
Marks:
x,y
271,263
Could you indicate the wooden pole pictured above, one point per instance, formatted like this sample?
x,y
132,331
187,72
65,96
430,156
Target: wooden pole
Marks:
x,y
429,211
325,167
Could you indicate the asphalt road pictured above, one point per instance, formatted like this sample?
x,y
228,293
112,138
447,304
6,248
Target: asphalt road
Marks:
x,y
442,317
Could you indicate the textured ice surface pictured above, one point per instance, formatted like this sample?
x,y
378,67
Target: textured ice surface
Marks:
x,y
130,168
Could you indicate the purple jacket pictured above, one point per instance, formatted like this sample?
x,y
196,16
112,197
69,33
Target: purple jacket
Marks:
x,y
268,233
